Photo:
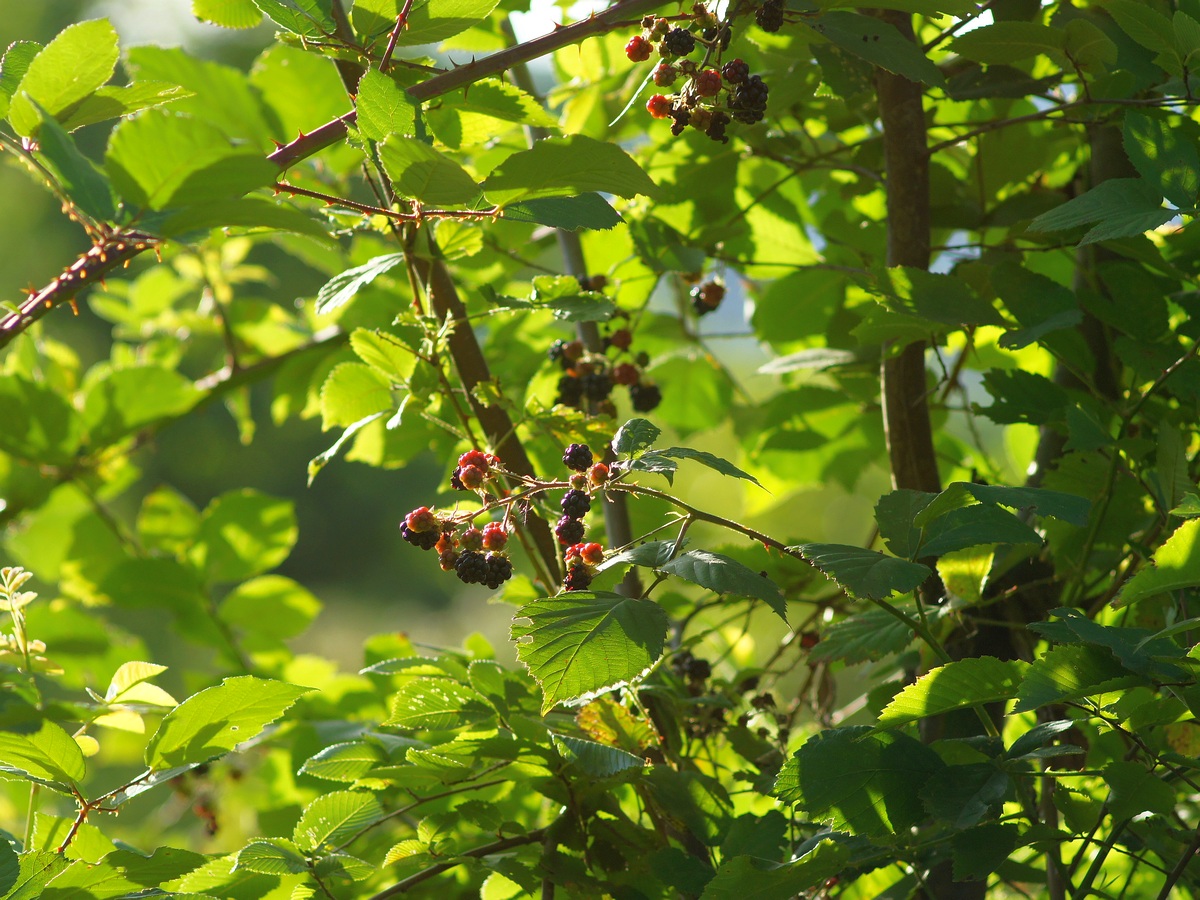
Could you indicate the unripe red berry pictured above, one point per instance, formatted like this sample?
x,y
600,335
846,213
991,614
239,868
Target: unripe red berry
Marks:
x,y
665,74
476,458
421,519
592,554
735,71
471,477
708,83
494,536
472,539
447,559
622,338
626,373
638,49
573,350
659,106
598,474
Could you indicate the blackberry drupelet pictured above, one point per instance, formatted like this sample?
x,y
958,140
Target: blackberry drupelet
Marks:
x,y
499,569
679,42
769,16
578,578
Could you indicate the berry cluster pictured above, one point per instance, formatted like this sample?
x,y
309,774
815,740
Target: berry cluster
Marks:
x,y
707,296
579,558
589,378
711,97
475,556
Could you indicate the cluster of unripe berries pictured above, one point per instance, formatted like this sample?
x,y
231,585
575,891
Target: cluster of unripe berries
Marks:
x,y
699,102
580,558
589,378
476,556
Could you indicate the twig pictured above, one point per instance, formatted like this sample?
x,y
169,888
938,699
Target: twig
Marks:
x,y
499,846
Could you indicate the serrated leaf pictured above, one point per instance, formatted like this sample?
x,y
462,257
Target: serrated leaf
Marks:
x,y
962,795
1124,207
129,675
1162,154
429,21
1070,673
244,533
712,461
351,392
13,66
498,99
80,179
974,526
79,60
879,43
308,18
37,869
47,752
113,102
862,781
341,289
635,436
594,759
655,464
217,719
346,761
273,857
1007,42
744,877
979,851
865,573
588,210
332,818
434,705
581,642
962,684
868,635
726,576
383,107
566,167
422,173
227,13
10,867
896,515
1174,565
651,554
1135,789
242,212
1055,504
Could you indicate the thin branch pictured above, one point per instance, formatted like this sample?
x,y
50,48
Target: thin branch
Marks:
x,y
499,846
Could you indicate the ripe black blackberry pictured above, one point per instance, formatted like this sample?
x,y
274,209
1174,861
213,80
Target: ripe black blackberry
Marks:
x,y
499,569
680,116
597,385
569,531
749,101
578,457
769,16
576,504
423,539
645,397
716,128
455,481
735,71
679,42
570,391
578,578
471,567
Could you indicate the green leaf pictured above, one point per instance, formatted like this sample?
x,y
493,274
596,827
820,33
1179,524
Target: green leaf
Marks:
x,y
13,67
332,818
37,869
347,761
939,298
273,857
128,676
160,160
635,436
383,107
496,99
422,173
973,526
726,576
49,753
896,514
1020,396
865,573
116,102
956,685
352,392
962,795
817,359
745,877
1124,207
214,721
10,867
39,424
595,759
1135,790
1055,504
1007,42
716,463
1138,649
125,400
579,642
1162,154
1146,25
227,13
270,605
652,554
656,464
243,533
1069,673
243,212
862,781
568,213
429,22
342,288
308,18
1175,565
79,60
565,167
83,183
437,704
871,634
979,851
878,43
